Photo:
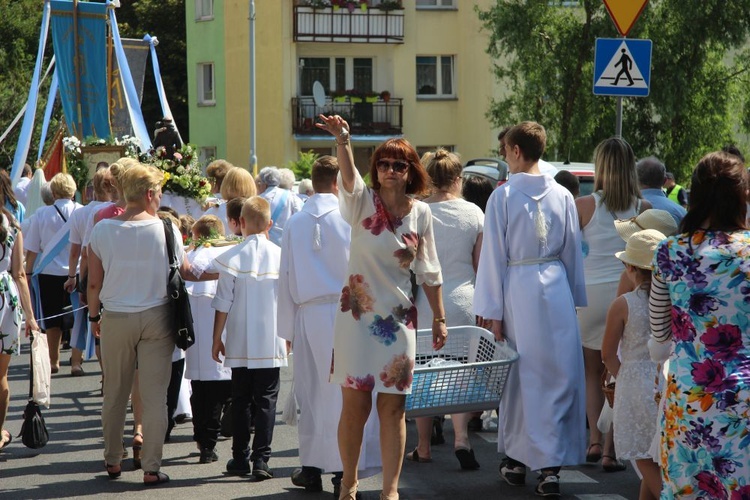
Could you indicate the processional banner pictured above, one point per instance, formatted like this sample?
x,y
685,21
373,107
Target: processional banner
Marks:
x,y
81,54
136,52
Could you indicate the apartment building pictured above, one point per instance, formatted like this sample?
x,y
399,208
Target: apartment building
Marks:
x,y
411,68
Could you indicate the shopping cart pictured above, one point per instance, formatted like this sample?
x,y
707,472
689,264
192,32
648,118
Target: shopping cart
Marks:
x,y
466,375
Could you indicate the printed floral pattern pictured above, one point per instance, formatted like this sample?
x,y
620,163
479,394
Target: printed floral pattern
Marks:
x,y
10,308
705,427
406,316
398,373
384,329
356,296
366,383
381,220
407,254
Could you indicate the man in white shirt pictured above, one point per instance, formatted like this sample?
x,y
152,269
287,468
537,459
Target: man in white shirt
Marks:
x,y
22,187
283,202
314,257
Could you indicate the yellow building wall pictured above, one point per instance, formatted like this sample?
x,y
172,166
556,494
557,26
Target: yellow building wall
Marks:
x,y
459,122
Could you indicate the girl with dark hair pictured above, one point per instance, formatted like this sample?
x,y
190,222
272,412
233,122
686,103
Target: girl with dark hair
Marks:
x,y
375,328
8,199
699,308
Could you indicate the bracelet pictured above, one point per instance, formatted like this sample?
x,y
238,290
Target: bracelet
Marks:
x,y
96,318
439,320
71,277
345,143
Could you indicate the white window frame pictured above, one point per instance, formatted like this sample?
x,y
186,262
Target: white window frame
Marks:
x,y
439,94
201,84
204,10
439,5
348,72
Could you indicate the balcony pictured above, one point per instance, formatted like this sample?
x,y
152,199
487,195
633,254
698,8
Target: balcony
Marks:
x,y
364,118
339,25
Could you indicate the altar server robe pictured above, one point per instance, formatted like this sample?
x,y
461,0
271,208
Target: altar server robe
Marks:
x,y
314,258
534,286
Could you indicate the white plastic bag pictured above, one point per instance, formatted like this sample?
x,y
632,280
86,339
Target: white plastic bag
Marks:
x,y
41,369
605,419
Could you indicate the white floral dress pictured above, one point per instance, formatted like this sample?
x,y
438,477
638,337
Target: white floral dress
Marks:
x,y
10,308
375,328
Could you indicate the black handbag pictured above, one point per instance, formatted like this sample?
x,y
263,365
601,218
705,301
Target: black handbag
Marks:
x,y
33,433
182,315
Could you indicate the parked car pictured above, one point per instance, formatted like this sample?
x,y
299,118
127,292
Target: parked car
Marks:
x,y
494,169
584,172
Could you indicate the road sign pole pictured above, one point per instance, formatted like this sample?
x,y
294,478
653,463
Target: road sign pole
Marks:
x,y
618,120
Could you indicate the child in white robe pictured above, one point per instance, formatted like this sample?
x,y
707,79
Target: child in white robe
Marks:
x,y
245,303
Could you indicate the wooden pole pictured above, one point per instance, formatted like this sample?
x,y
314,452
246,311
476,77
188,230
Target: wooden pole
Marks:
x,y
77,65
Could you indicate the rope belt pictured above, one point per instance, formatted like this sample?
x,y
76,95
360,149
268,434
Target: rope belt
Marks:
x,y
324,299
529,262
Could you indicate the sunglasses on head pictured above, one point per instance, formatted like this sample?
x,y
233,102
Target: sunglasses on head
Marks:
x,y
398,166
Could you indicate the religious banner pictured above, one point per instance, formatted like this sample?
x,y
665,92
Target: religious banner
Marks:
x,y
80,51
136,52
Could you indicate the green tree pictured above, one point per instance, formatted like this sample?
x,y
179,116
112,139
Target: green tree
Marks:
x,y
302,166
545,55
19,39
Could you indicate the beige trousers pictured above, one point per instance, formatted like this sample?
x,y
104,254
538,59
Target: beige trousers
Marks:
x,y
144,337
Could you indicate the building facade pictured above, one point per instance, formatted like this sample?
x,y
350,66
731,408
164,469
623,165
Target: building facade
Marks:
x,y
412,68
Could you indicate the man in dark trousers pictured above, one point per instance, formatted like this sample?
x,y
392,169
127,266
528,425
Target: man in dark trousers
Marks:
x,y
167,137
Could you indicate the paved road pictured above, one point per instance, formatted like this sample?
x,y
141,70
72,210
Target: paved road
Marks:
x,y
71,465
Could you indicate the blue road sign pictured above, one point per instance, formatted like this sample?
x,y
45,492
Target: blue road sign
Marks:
x,y
622,67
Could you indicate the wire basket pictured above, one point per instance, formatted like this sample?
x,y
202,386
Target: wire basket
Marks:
x,y
473,378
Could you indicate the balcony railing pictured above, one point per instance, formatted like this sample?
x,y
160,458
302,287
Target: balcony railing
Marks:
x,y
339,25
364,118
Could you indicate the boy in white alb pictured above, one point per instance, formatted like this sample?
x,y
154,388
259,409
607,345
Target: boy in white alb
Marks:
x,y
245,303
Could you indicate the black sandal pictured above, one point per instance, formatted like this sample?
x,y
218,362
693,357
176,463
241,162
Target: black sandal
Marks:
x,y
593,458
466,459
617,465
160,478
113,471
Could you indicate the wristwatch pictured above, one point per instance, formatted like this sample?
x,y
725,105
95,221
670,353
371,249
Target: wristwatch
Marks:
x,y
95,319
343,137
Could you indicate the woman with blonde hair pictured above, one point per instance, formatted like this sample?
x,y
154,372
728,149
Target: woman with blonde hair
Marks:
x,y
128,268
458,226
44,238
616,196
237,182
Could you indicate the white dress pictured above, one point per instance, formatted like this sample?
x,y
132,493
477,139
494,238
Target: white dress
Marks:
x,y
634,417
10,309
314,254
534,289
456,225
375,330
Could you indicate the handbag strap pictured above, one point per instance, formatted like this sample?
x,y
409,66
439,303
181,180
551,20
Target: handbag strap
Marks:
x,y
169,236
31,367
61,214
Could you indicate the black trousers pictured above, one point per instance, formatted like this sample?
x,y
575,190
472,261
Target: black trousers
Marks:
x,y
173,393
259,386
207,400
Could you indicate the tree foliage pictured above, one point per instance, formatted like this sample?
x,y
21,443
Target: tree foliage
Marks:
x,y
699,77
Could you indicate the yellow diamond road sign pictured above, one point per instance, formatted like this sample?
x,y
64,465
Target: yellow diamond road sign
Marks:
x,y
624,13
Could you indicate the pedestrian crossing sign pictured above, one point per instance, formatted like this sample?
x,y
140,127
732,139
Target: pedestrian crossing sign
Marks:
x,y
622,67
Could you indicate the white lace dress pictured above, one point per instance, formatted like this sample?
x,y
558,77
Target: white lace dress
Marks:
x,y
634,418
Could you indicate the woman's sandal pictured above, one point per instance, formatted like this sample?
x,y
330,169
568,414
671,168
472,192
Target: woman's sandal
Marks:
x,y
593,458
6,438
414,457
466,458
160,478
137,446
349,492
615,466
113,471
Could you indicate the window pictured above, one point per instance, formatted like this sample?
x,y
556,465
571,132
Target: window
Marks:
x,y
336,73
435,76
207,154
204,10
436,4
206,84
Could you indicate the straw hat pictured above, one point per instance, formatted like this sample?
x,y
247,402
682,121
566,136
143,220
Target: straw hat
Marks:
x,y
652,218
640,248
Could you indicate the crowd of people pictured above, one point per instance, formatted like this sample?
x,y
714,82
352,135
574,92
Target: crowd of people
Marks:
x,y
632,281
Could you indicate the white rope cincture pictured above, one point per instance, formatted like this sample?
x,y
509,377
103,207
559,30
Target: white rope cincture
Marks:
x,y
61,314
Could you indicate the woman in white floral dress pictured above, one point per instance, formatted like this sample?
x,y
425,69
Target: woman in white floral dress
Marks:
x,y
375,329
14,297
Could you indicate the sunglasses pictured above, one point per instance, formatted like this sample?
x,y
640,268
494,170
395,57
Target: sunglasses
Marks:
x,y
398,166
